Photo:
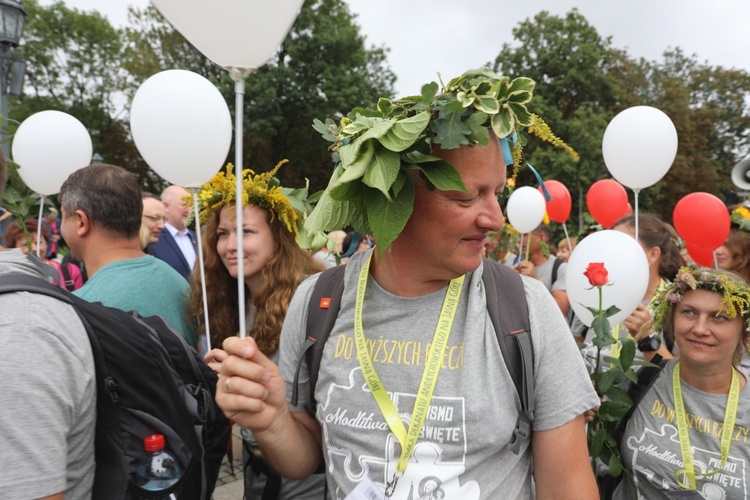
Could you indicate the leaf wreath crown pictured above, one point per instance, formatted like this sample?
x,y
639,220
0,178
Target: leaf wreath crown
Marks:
x,y
374,149
735,294
261,190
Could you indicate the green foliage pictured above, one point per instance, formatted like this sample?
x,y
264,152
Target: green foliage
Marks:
x,y
375,146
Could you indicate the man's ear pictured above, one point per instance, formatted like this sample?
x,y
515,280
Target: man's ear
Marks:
x,y
82,223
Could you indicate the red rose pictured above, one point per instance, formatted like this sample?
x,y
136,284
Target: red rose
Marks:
x,y
597,274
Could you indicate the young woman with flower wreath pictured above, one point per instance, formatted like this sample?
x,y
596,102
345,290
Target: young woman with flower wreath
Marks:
x,y
688,437
274,265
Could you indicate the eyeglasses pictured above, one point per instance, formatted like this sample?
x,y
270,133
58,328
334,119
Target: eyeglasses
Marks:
x,y
154,218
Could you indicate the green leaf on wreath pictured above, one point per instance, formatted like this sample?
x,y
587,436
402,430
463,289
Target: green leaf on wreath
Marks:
x,y
383,171
358,166
449,129
444,176
405,133
387,219
503,123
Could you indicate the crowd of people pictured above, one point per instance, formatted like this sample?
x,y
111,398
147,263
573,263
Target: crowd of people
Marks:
x,y
412,397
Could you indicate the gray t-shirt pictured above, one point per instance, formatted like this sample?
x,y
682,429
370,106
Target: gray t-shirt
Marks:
x,y
651,446
461,450
544,273
48,395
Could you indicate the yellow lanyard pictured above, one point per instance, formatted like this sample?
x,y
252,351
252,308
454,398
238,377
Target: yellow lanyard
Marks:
x,y
617,347
730,415
429,377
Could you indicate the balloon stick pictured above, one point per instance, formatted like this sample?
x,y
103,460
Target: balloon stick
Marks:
x,y
200,264
567,238
528,246
716,262
239,75
636,191
520,247
39,229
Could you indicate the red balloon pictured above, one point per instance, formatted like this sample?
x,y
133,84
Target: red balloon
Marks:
x,y
700,255
702,219
558,208
629,209
607,202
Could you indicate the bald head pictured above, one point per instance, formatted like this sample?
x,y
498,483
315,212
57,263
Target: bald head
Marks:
x,y
175,207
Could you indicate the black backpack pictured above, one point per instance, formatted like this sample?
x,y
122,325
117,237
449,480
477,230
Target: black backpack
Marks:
x,y
149,380
508,310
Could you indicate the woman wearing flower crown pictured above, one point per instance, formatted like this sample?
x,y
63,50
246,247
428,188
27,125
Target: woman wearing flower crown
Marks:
x,y
688,437
274,265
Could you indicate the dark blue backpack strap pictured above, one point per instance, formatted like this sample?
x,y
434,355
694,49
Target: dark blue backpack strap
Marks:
x,y
322,311
509,314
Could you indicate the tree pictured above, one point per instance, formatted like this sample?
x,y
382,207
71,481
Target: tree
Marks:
x,y
581,80
283,97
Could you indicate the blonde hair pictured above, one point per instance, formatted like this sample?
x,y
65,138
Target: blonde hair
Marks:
x,y
282,274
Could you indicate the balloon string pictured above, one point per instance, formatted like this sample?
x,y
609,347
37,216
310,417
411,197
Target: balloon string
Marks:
x,y
547,196
716,262
567,238
201,266
39,229
520,247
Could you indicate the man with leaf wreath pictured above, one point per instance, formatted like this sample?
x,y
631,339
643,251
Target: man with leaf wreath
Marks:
x,y
396,417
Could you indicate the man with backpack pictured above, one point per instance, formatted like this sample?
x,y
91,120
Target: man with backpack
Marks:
x,y
413,397
48,397
101,208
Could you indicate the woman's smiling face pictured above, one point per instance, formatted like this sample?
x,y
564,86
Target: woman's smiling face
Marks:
x,y
703,331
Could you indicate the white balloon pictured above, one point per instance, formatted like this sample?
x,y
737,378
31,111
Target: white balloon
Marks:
x,y
49,146
526,207
181,126
626,263
232,33
639,146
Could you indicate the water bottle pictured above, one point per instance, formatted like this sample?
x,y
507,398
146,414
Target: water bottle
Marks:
x,y
159,470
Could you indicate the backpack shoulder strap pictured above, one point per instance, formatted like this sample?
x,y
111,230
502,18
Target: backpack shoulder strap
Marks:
x,y
509,313
555,267
322,312
19,282
69,283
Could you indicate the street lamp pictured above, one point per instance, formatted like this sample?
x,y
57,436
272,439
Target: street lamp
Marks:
x,y
12,69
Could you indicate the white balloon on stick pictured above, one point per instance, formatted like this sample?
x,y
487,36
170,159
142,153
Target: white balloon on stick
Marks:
x,y
49,146
526,207
242,39
639,146
627,266
181,126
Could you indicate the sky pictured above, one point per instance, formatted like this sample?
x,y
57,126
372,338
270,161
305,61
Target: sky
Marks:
x,y
431,36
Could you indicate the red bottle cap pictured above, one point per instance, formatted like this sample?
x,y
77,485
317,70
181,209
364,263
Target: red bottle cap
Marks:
x,y
154,442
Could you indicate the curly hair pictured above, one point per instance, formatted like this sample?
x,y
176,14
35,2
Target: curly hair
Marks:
x,y
282,274
654,232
